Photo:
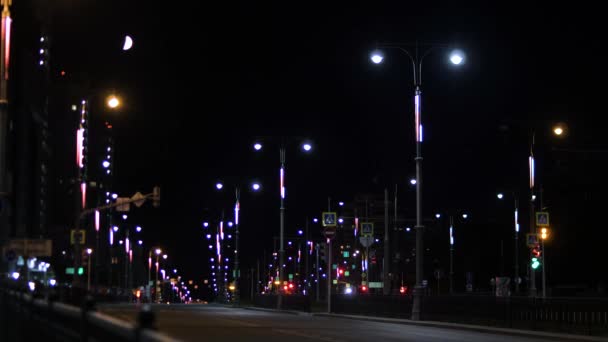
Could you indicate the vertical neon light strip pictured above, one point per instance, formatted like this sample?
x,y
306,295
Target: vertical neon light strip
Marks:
x,y
237,208
127,249
417,118
130,256
7,47
83,191
356,225
222,230
6,40
217,245
451,236
149,262
299,255
516,222
79,140
282,174
96,220
531,163
111,237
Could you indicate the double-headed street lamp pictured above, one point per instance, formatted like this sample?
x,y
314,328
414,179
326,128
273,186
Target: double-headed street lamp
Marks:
x,y
255,186
306,146
416,56
502,196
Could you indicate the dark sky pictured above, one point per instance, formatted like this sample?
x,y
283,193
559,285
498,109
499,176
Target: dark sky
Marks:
x,y
204,80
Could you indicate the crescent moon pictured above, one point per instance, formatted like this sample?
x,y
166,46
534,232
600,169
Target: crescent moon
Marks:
x,y
128,43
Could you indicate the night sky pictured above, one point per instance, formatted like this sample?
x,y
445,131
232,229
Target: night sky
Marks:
x,y
203,81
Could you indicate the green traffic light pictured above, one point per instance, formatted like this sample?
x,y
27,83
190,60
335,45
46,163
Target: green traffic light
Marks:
x,y
535,263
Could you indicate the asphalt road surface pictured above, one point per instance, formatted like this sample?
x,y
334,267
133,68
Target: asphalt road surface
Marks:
x,y
200,322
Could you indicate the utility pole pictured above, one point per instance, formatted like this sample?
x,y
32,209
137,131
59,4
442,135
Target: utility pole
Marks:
x,y
387,256
317,274
4,67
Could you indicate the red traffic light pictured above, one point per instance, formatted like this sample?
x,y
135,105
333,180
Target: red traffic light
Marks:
x,y
403,289
363,288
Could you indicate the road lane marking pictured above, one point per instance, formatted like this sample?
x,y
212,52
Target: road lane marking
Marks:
x,y
308,335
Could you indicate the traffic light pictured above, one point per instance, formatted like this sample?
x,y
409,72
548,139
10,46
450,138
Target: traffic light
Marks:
x,y
535,263
322,251
544,233
363,289
536,252
156,196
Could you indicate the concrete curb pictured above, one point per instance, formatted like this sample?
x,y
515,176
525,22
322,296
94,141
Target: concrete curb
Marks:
x,y
291,312
477,328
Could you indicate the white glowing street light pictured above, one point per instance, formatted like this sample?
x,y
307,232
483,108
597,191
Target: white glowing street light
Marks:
x,y
416,57
219,185
307,147
377,57
257,146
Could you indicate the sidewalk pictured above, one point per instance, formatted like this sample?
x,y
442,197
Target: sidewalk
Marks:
x,y
446,325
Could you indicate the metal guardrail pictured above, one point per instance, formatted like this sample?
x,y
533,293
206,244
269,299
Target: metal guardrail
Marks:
x,y
25,317
573,315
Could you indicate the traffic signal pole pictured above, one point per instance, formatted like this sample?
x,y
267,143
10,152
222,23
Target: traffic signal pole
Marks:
x,y
329,261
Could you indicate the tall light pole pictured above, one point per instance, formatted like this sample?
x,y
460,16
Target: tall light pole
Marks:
x,y
4,68
157,251
89,252
255,186
516,278
306,147
417,57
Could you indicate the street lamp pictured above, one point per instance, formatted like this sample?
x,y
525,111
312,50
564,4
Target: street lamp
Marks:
x,y
158,252
89,252
255,186
306,147
516,279
457,58
82,170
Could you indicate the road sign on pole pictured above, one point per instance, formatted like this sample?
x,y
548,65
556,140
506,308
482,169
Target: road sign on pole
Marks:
x,y
77,236
366,241
139,199
124,207
542,219
28,247
532,240
329,232
367,229
329,219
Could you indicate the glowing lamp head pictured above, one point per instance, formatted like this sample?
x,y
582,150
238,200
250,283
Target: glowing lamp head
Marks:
x,y
413,181
105,164
457,57
157,251
138,229
377,57
500,195
89,251
113,102
219,185
257,146
307,147
205,224
165,256
437,215
255,186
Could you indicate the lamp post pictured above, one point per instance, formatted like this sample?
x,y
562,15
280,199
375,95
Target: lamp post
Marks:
x,y
516,278
255,186
306,147
89,252
417,57
82,134
157,251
